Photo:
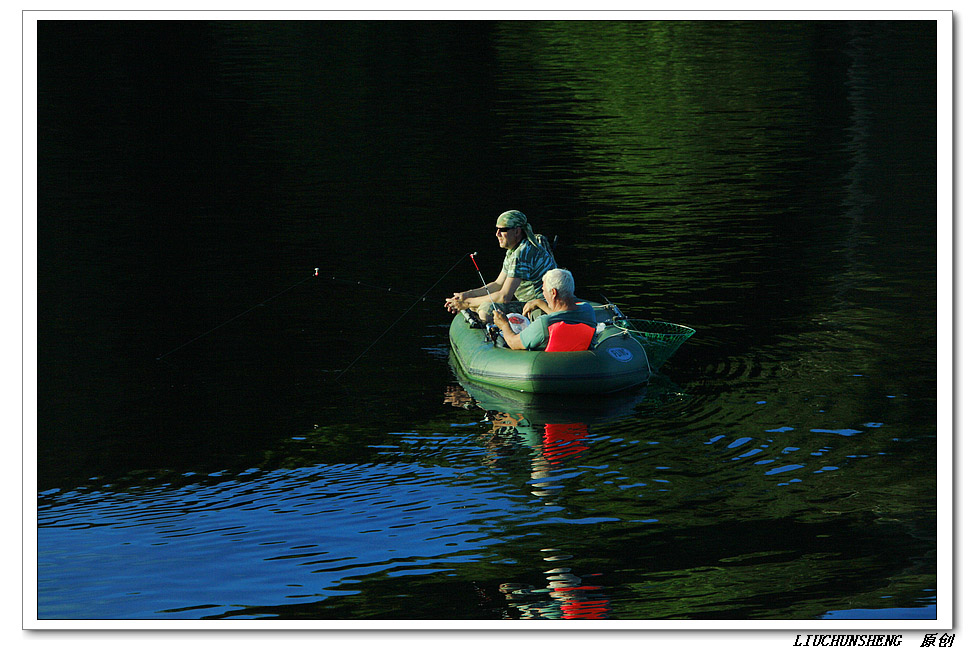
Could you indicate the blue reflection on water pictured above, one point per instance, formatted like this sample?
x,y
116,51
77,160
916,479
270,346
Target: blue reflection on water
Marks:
x,y
895,613
298,534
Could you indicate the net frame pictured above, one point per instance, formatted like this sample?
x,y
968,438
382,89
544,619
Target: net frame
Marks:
x,y
659,339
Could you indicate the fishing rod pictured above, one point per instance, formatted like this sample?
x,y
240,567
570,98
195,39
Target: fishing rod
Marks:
x,y
483,283
490,329
611,304
246,311
393,324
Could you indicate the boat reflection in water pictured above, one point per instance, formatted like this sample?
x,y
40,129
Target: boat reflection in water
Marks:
x,y
565,595
555,427
556,430
512,426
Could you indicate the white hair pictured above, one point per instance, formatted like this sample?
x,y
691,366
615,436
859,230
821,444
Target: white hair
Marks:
x,y
560,280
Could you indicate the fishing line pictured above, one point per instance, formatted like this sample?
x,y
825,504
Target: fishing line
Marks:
x,y
423,297
246,311
378,288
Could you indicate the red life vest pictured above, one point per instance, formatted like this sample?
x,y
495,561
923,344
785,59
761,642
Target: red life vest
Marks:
x,y
569,337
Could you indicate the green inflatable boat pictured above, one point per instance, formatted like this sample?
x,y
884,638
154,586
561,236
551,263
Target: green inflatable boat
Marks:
x,y
624,354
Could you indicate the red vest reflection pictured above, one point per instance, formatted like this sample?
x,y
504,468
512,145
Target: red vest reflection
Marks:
x,y
563,441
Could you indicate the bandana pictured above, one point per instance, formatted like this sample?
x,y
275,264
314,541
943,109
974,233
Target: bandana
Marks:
x,y
516,219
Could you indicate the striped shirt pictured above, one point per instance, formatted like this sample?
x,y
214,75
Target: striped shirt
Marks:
x,y
528,263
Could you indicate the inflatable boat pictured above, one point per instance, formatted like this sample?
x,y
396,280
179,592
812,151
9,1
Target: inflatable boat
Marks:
x,y
623,354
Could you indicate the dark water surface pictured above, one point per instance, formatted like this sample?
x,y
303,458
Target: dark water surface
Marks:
x,y
771,184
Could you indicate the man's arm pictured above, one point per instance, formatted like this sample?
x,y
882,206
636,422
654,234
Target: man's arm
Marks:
x,y
508,288
536,303
502,290
474,297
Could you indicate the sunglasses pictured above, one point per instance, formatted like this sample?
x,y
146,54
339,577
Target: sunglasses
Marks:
x,y
506,229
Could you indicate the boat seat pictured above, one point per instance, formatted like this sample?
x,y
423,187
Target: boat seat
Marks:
x,y
569,337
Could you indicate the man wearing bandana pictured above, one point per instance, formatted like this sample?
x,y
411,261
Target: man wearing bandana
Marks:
x,y
528,258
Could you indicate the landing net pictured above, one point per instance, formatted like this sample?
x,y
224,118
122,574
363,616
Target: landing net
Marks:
x,y
659,339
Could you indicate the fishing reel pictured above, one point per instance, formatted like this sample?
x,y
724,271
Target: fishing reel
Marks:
x,y
491,333
472,319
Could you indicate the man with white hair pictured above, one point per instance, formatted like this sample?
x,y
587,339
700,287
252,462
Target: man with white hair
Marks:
x,y
567,325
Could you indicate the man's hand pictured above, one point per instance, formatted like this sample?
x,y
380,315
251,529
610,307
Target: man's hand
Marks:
x,y
500,320
455,303
532,305
513,340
